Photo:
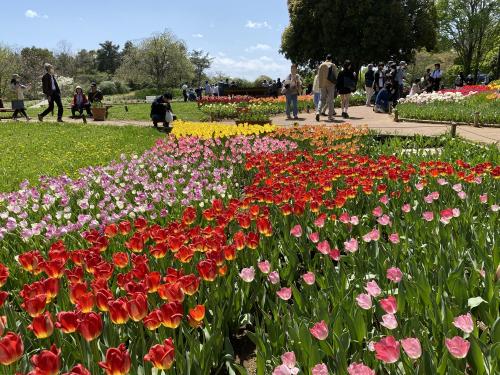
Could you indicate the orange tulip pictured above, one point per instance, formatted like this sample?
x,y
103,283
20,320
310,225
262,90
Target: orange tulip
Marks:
x,y
42,326
11,348
118,311
67,321
162,356
153,320
48,362
172,314
117,361
120,259
90,326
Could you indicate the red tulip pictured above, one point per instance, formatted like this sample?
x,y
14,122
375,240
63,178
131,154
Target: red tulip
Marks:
x,y
171,292
4,274
90,326
67,321
118,311
117,361
3,297
196,316
111,230
78,370
3,323
101,299
77,290
207,270
85,302
47,362
140,224
162,356
137,307
172,314
252,240
135,243
188,216
264,226
51,288
11,348
124,227
30,261
34,306
53,268
153,280
153,320
42,326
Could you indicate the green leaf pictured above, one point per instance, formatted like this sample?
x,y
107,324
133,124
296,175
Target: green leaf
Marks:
x,y
475,301
476,357
495,331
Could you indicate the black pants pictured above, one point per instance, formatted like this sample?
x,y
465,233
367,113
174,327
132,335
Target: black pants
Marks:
x,y
75,108
185,95
54,98
21,111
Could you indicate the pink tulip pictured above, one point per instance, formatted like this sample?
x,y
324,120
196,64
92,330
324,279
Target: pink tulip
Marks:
x,y
389,321
434,195
359,369
319,369
394,274
458,347
389,305
456,212
323,247
419,186
387,350
464,322
428,199
335,254
351,246
384,199
495,207
320,221
314,237
412,347
344,218
288,359
428,215
442,181
372,288
284,370
264,266
247,274
406,208
384,220
319,330
446,215
354,220
309,278
394,238
296,231
364,301
274,277
377,211
457,187
483,198
374,235
284,293
462,195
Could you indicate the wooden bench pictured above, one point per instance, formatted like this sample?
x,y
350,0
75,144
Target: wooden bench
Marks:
x,y
5,110
256,92
107,106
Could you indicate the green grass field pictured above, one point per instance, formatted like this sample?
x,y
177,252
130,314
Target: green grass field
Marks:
x,y
184,111
30,150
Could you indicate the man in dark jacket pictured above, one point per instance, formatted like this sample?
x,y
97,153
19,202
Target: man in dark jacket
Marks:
x,y
95,95
159,108
52,92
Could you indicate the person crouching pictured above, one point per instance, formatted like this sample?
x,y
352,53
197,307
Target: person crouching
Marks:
x,y
161,111
80,103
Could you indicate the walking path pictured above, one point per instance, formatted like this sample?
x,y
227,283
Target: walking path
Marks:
x,y
359,116
384,123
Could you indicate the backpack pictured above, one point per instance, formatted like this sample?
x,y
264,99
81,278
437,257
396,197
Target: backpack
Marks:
x,y
332,77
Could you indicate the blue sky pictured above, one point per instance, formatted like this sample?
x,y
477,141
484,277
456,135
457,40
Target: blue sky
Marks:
x,y
242,36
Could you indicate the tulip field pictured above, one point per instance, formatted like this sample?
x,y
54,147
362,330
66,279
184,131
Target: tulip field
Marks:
x,y
257,250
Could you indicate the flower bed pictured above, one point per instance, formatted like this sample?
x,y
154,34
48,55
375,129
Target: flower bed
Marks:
x,y
324,261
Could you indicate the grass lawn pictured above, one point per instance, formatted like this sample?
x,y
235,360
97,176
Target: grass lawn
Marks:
x,y
185,111
29,150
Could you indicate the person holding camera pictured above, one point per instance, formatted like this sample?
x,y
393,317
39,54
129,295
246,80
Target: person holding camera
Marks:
x,y
292,88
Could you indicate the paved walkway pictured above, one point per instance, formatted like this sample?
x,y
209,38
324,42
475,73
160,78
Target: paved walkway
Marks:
x,y
384,123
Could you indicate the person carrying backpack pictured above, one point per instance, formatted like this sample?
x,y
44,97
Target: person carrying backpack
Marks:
x,y
327,78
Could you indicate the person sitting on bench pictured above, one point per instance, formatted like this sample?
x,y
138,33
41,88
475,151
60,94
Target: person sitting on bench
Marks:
x,y
80,103
95,95
161,111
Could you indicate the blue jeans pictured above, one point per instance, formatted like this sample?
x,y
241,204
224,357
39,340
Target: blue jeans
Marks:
x,y
317,96
292,100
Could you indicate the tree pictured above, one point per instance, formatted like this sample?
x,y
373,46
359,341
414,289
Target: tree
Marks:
x,y
201,62
85,62
160,61
9,63
359,30
65,61
32,66
108,57
471,26
261,79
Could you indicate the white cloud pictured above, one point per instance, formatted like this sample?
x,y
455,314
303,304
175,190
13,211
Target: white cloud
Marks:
x,y
33,14
257,25
197,35
258,47
251,68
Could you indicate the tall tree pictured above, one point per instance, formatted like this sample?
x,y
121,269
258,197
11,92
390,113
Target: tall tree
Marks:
x,y
32,61
108,57
9,63
359,30
201,62
86,61
471,26
65,60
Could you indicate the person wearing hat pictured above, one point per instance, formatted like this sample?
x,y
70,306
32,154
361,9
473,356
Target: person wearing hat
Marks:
x,y
80,103
18,102
161,111
95,95
51,90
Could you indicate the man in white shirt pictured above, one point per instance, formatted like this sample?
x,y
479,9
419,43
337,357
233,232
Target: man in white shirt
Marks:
x,y
185,91
436,77
51,90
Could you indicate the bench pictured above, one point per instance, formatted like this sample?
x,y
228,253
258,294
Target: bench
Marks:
x,y
5,110
107,106
256,92
150,99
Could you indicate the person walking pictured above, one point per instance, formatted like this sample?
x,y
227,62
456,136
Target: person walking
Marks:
x,y
185,92
51,90
369,82
436,77
292,88
379,78
316,91
18,103
346,84
327,78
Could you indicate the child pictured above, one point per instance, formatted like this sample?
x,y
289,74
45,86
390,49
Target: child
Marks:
x,y
415,88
